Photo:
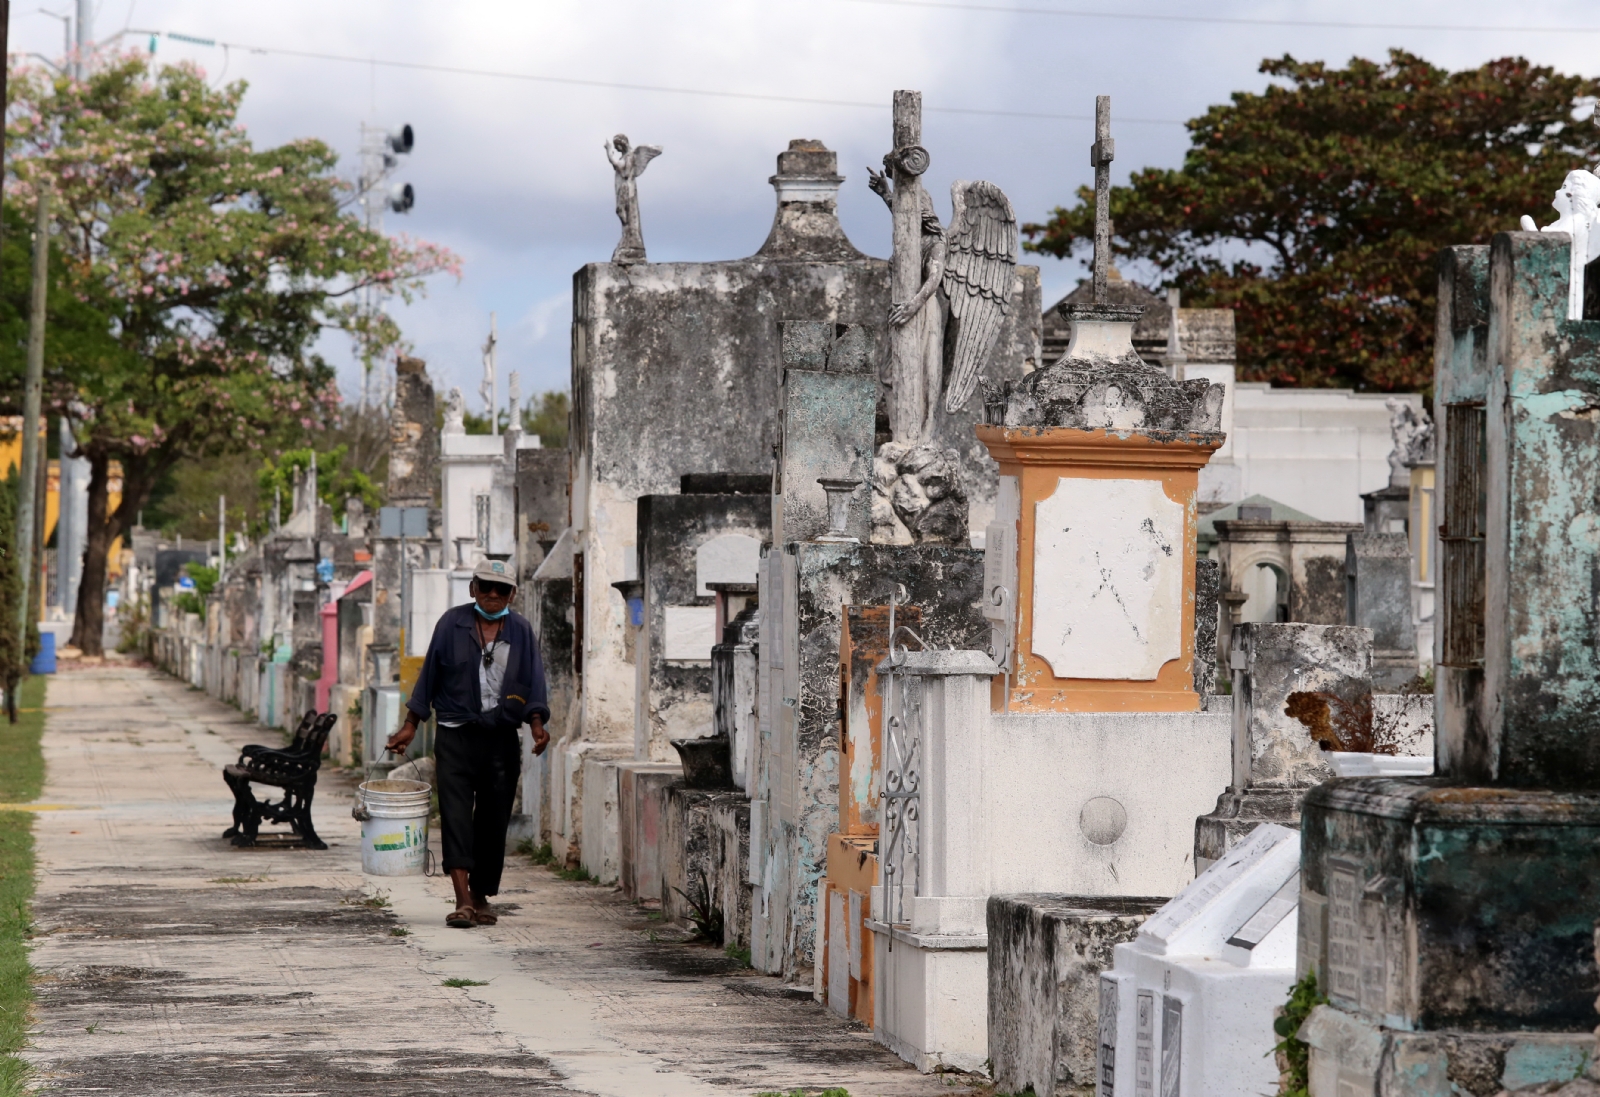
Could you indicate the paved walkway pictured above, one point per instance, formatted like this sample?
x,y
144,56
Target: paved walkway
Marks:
x,y
170,962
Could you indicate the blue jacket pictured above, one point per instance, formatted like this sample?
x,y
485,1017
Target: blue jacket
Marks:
x,y
448,684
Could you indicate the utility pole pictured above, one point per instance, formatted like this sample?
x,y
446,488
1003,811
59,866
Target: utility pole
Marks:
x,y
85,43
27,516
381,150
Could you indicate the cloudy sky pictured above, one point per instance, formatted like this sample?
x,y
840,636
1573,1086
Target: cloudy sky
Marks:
x,y
509,171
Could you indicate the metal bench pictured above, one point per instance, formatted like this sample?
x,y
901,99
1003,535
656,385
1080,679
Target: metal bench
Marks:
x,y
292,769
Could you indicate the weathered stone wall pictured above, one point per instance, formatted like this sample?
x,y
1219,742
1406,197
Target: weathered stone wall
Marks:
x,y
413,438
1046,953
798,775
676,697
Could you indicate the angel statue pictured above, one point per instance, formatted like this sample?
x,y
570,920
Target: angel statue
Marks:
x,y
1578,203
629,164
967,269
455,412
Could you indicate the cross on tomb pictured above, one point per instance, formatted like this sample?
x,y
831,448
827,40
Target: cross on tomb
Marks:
x,y
1101,153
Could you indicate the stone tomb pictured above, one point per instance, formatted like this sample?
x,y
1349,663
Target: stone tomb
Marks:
x,y
1188,1007
1450,919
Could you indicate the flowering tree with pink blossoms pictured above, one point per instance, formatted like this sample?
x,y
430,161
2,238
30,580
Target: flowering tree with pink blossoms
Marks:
x,y
215,265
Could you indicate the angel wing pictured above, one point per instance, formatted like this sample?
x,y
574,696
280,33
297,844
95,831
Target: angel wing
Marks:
x,y
642,155
980,263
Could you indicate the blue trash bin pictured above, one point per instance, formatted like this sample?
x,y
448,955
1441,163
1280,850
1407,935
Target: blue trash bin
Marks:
x,y
45,661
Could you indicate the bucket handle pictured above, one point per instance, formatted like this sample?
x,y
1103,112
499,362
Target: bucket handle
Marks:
x,y
360,812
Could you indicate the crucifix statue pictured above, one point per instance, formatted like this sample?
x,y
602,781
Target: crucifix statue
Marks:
x,y
486,387
965,271
629,163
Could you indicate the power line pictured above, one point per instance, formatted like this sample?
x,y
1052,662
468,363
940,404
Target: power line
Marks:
x,y
459,70
1323,24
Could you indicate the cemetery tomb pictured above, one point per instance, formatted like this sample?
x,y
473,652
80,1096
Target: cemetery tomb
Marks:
x,y
1188,1006
1465,903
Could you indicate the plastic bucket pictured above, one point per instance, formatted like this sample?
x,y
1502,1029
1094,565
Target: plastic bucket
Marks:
x,y
394,826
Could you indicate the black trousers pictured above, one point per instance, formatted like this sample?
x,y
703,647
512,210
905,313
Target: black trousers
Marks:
x,y
477,773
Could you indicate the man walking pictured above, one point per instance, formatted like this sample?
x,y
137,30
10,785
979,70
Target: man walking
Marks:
x,y
483,679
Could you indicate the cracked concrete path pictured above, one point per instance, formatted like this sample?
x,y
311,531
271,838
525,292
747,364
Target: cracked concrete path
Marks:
x,y
168,961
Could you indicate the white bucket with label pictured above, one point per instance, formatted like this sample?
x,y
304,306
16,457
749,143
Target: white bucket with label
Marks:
x,y
394,826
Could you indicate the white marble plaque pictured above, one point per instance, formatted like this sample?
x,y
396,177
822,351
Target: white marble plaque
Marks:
x,y
1108,579
730,558
688,633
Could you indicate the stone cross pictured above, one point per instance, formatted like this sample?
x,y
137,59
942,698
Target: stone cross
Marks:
x,y
1101,153
905,165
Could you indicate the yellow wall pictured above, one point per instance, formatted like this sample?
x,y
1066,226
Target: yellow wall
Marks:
x,y
11,457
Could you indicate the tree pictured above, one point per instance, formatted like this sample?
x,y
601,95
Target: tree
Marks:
x,y
1315,208
16,652
216,264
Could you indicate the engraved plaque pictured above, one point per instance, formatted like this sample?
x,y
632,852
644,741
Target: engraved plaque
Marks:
x,y
1171,1045
1108,579
1344,934
1144,1045
1109,1002
1374,972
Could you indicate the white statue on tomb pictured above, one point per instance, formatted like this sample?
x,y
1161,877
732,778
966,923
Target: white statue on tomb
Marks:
x,y
1578,203
1411,429
513,402
967,269
455,412
629,163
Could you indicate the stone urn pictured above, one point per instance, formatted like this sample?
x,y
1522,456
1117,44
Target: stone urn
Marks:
x,y
707,763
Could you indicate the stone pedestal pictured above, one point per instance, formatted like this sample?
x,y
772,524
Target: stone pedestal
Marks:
x,y
1099,455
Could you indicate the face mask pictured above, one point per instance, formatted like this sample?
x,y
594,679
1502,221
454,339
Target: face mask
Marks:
x,y
490,616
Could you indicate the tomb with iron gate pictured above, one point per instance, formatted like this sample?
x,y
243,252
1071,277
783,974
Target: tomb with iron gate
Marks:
x,y
1450,919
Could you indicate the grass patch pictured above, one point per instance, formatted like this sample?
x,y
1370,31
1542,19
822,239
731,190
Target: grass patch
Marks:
x,y
832,1091
239,880
376,902
740,955
21,780
463,983
539,855
399,931
578,875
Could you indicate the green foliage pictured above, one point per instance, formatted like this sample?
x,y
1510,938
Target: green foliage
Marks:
x,y
21,779
739,955
549,422
1315,208
16,649
1293,1052
337,481
831,1091
133,625
204,269
704,914
458,982
577,875
538,854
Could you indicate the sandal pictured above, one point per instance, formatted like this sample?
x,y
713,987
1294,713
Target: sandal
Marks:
x,y
486,917
460,918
